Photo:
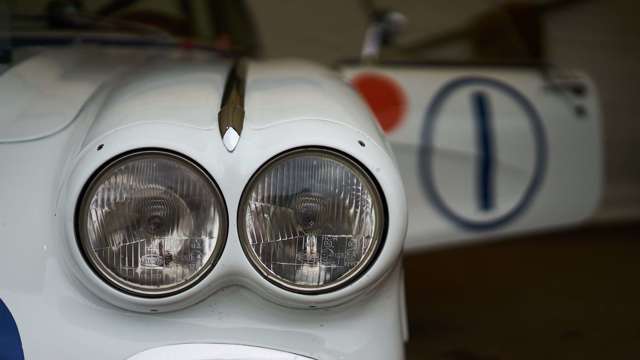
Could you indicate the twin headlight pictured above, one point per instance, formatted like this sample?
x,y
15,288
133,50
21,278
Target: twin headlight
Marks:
x,y
153,223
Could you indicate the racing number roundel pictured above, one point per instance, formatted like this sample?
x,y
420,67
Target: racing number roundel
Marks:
x,y
483,152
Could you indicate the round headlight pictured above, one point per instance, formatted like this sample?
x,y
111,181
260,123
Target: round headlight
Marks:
x,y
152,223
311,220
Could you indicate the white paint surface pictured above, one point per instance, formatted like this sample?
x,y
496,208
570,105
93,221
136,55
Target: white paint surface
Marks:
x,y
569,191
214,352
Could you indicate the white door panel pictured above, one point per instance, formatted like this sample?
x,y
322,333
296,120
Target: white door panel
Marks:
x,y
486,152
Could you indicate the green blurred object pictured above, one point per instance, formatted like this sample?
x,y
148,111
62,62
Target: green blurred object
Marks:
x,y
224,24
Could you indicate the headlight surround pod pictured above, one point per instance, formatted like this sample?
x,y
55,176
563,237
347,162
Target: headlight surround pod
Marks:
x,y
151,223
311,220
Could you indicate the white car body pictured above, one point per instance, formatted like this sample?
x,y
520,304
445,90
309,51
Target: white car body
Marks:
x,y
76,109
68,111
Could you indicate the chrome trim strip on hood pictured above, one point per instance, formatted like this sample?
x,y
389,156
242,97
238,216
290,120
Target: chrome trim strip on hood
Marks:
x,y
231,115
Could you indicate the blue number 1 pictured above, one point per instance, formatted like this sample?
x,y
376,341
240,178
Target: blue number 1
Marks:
x,y
485,166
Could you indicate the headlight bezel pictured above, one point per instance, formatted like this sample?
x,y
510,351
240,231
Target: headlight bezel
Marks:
x,y
365,263
107,276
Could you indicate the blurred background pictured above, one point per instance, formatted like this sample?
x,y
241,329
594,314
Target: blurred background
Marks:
x,y
563,295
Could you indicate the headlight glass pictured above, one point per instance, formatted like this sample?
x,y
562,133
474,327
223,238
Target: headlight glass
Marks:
x,y
152,223
311,220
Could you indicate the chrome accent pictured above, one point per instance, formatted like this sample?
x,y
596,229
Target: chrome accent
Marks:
x,y
231,114
381,32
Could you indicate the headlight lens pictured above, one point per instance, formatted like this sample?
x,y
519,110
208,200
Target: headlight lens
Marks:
x,y
152,223
311,220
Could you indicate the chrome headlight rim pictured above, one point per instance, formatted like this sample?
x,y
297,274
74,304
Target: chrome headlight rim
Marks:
x,y
354,274
106,275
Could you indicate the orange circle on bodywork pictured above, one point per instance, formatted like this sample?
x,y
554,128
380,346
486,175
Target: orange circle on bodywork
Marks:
x,y
385,98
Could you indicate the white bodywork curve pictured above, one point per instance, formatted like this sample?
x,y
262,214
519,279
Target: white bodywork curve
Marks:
x,y
171,101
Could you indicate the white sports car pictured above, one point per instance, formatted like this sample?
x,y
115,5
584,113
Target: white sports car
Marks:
x,y
165,203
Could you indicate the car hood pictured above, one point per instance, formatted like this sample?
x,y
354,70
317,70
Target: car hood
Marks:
x,y
45,93
108,88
